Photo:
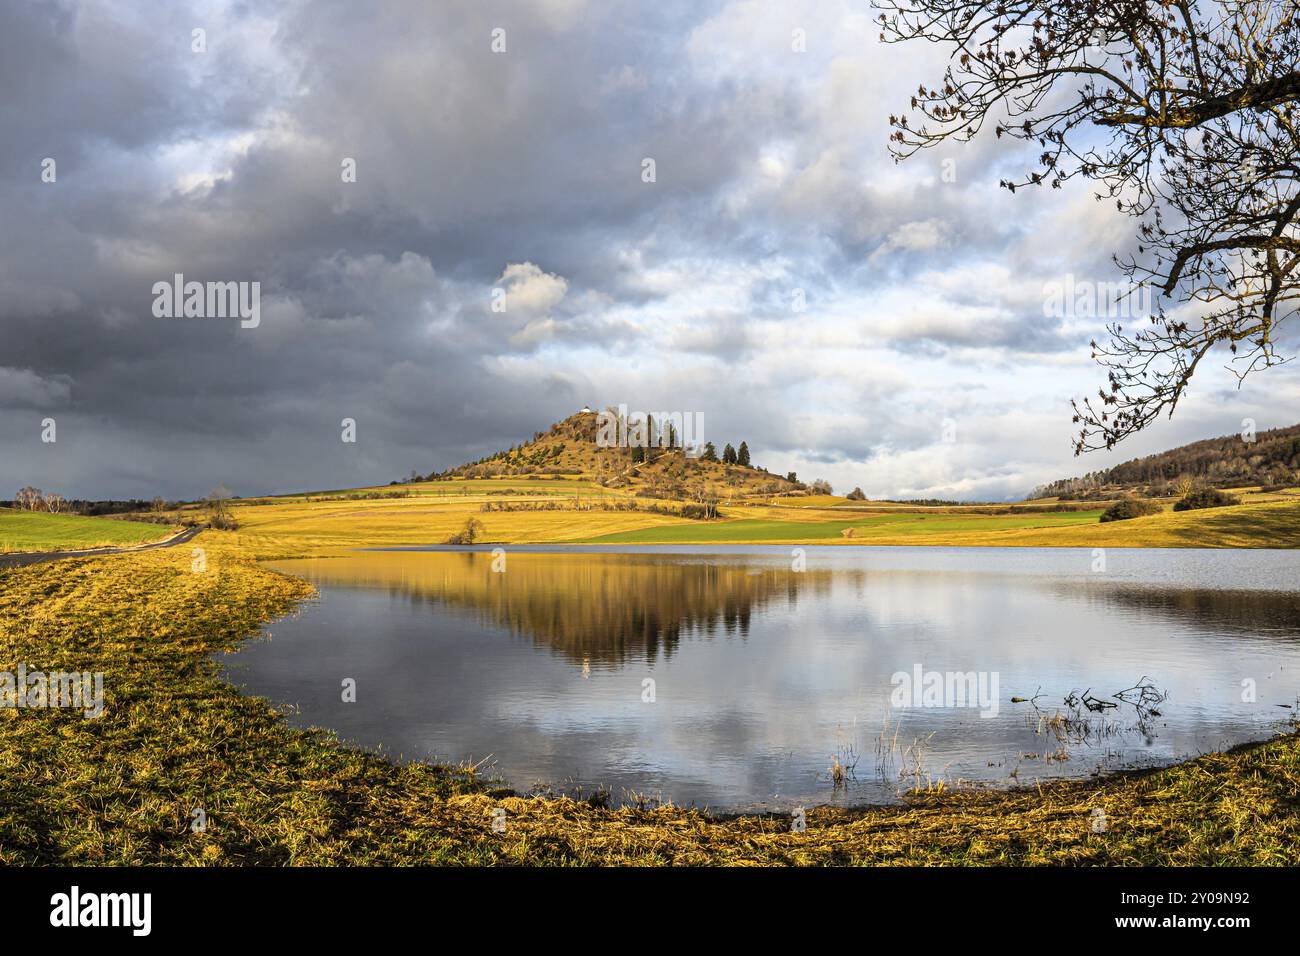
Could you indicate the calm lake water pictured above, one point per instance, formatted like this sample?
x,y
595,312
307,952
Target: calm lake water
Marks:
x,y
721,676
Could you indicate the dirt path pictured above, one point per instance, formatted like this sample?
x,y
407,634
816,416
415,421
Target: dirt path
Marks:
x,y
36,557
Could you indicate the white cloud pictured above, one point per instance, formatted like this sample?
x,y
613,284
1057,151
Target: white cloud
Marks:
x,y
923,236
529,290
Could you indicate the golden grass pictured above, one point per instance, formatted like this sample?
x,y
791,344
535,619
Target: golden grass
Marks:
x,y
298,527
334,527
808,501
1271,525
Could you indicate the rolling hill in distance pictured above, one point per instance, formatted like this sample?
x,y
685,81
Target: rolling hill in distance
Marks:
x,y
572,447
1268,459
662,467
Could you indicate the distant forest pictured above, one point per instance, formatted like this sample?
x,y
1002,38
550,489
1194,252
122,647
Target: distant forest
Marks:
x,y
1272,459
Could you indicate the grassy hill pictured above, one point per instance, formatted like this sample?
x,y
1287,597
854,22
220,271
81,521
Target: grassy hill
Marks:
x,y
570,448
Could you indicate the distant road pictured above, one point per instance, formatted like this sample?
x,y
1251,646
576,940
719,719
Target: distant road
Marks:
x,y
36,557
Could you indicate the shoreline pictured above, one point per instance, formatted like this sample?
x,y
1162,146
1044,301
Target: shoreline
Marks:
x,y
599,547
175,737
759,808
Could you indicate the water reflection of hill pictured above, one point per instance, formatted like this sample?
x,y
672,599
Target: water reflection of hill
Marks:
x,y
603,610
611,607
1265,614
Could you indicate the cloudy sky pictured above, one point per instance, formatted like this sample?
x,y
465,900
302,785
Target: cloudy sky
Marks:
x,y
875,324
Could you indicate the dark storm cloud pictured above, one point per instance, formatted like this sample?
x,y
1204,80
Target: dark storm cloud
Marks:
x,y
476,171
467,162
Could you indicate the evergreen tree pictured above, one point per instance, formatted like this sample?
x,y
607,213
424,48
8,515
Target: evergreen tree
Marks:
x,y
710,453
728,455
742,456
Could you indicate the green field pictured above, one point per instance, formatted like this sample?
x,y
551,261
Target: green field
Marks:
x,y
920,525
39,531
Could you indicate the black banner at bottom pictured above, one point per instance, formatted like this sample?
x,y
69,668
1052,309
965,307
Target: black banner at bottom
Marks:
x,y
329,905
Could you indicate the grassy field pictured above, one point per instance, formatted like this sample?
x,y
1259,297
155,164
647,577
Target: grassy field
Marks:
x,y
39,531
885,528
1245,526
298,526
121,789
332,527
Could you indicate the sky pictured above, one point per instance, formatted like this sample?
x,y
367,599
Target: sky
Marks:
x,y
506,253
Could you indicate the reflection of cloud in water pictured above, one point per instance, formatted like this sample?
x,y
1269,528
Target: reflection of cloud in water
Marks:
x,y
762,673
1268,615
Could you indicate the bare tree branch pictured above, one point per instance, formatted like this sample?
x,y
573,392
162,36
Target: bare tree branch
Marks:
x,y
1182,113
